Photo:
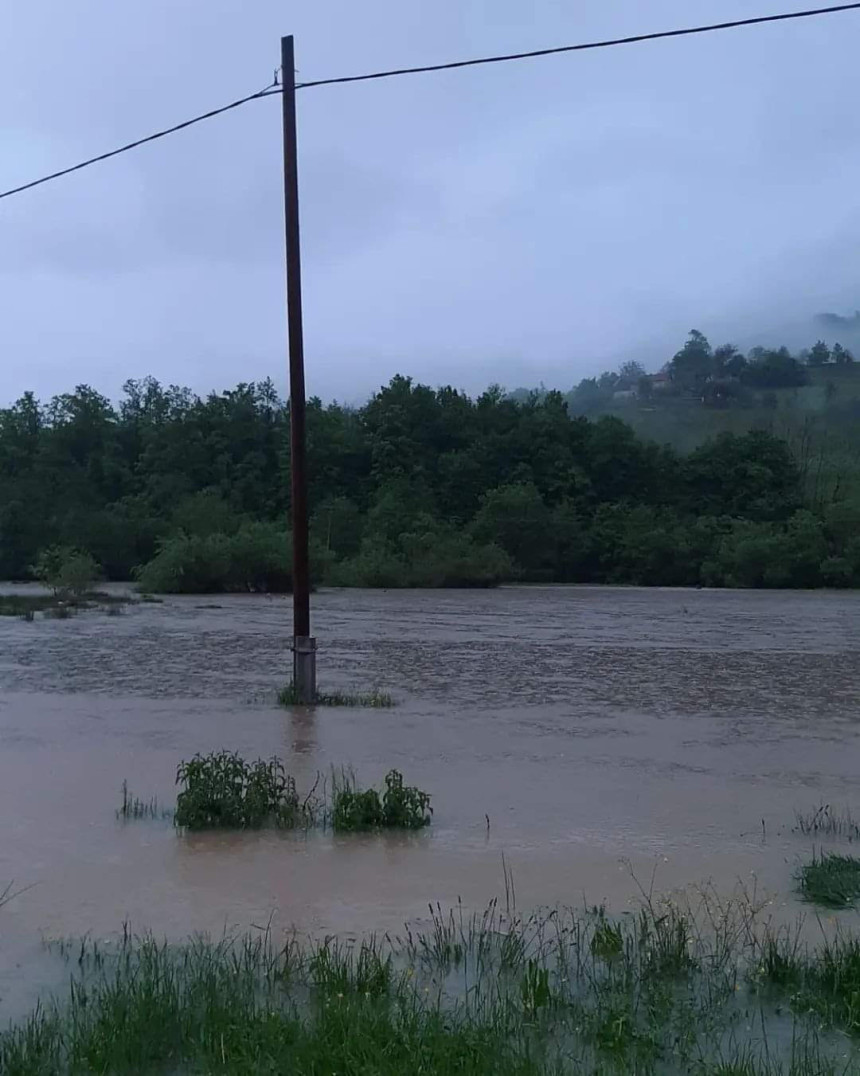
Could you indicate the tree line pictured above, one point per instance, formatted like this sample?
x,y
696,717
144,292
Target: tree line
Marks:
x,y
419,487
720,375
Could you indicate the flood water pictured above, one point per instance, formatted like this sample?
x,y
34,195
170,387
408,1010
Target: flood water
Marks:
x,y
579,736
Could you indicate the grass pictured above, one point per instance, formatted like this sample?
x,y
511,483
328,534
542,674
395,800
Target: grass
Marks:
x,y
824,821
133,808
675,988
831,880
824,983
374,699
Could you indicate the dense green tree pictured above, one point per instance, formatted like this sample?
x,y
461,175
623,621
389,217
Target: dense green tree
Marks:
x,y
517,518
691,367
728,361
589,397
819,355
630,373
773,368
419,487
752,477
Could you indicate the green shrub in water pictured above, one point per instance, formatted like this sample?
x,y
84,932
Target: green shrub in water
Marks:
x,y
354,810
404,806
70,573
830,879
222,790
256,559
400,806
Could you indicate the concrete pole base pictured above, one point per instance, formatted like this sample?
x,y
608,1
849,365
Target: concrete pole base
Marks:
x,y
305,669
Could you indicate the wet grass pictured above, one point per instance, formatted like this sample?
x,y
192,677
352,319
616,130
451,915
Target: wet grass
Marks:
x,y
823,983
374,699
825,821
831,880
131,808
674,988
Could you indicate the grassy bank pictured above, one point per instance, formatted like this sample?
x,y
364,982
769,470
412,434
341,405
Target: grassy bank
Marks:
x,y
700,987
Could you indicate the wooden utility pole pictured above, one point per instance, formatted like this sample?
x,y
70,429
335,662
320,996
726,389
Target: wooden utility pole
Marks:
x,y
304,645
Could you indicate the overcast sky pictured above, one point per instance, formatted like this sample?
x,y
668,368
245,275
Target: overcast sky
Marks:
x,y
518,223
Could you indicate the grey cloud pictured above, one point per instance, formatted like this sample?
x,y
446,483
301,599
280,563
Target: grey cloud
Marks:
x,y
521,223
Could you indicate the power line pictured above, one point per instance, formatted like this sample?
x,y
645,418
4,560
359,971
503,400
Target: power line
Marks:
x,y
396,72
140,142
637,39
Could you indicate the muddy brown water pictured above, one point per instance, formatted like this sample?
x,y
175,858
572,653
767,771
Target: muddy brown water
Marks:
x,y
605,733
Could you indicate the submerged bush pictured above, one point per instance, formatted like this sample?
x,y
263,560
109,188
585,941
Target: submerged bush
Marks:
x,y
400,806
222,790
355,810
69,572
257,558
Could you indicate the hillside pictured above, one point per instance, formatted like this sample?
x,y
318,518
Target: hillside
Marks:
x,y
820,420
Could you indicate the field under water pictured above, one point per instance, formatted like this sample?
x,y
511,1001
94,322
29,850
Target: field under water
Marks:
x,y
582,741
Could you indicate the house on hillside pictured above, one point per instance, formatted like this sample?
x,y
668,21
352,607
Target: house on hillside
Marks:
x,y
660,382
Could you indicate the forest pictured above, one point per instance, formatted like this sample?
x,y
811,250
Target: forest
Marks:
x,y
419,487
715,376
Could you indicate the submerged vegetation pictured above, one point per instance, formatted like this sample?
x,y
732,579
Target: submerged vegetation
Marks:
x,y
70,573
426,487
698,987
132,808
224,791
71,577
831,879
400,806
27,606
826,821
375,699
257,558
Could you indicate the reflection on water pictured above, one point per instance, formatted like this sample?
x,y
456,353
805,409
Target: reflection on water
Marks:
x,y
590,726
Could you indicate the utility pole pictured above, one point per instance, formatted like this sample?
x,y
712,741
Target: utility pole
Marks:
x,y
304,645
